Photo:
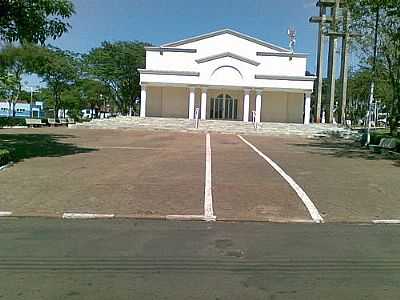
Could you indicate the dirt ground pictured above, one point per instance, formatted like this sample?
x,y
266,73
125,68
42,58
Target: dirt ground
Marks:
x,y
148,175
154,174
345,183
246,187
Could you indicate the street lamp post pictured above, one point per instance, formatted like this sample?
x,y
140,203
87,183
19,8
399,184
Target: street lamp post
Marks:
x,y
371,92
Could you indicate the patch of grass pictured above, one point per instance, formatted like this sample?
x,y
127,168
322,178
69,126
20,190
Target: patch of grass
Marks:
x,y
6,156
39,145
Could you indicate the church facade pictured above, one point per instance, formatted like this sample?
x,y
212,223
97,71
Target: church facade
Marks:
x,y
226,75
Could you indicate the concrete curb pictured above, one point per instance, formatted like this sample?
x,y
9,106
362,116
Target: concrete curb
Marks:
x,y
93,216
5,213
389,221
14,127
2,168
190,218
87,216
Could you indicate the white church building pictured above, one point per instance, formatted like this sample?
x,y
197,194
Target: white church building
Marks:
x,y
226,75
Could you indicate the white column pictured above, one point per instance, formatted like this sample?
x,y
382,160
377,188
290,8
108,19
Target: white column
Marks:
x,y
258,106
143,96
204,104
307,108
246,105
191,103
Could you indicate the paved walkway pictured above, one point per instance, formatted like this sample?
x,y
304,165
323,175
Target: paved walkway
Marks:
x,y
222,126
161,173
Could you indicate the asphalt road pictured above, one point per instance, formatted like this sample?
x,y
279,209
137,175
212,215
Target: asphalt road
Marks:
x,y
127,259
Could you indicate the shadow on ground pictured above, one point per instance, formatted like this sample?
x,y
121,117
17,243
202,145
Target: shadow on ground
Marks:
x,y
39,145
339,147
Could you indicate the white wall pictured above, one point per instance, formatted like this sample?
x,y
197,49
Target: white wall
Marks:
x,y
167,102
269,65
282,107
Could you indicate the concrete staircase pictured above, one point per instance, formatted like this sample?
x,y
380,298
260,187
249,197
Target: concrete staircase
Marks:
x,y
222,126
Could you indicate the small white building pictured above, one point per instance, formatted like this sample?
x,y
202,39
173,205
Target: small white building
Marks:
x,y
227,75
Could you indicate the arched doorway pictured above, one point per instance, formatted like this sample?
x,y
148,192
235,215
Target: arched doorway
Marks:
x,y
223,107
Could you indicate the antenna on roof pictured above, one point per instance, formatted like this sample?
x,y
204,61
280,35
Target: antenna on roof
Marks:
x,y
292,38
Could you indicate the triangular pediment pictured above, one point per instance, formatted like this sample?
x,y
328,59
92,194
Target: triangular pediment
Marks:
x,y
229,32
227,54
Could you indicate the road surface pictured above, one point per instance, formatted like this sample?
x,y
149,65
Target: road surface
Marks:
x,y
130,259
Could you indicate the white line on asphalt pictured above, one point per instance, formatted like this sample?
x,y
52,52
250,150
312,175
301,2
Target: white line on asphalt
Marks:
x,y
5,213
86,216
299,191
208,201
393,221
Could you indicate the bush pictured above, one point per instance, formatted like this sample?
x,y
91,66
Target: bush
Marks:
x,y
6,156
9,121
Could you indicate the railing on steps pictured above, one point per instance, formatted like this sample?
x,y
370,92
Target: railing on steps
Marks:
x,y
196,117
254,119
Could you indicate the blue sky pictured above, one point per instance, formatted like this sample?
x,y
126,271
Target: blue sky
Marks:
x,y
161,21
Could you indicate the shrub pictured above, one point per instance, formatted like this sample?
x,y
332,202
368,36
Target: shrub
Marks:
x,y
6,156
9,121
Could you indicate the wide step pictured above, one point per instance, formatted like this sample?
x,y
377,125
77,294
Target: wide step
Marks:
x,y
233,127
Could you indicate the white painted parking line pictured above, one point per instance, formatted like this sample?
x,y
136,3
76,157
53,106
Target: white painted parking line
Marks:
x,y
5,213
390,221
299,191
208,200
87,216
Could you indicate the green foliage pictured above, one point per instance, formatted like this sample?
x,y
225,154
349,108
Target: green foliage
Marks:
x,y
9,121
13,61
58,69
34,21
358,92
9,86
6,156
388,61
116,64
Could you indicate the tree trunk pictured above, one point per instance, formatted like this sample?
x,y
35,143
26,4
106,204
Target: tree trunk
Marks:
x,y
13,109
395,112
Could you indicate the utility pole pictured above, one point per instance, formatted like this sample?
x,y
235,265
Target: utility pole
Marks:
x,y
332,61
320,62
322,20
344,70
334,33
371,93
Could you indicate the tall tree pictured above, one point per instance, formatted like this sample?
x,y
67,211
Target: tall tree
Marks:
x,y
116,64
85,93
364,14
34,21
13,63
58,69
9,89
